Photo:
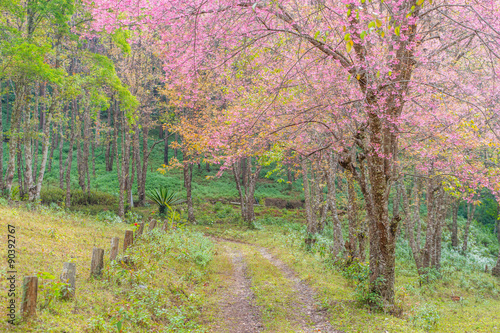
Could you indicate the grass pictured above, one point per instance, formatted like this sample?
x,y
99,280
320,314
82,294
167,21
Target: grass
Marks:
x,y
162,291
178,279
426,307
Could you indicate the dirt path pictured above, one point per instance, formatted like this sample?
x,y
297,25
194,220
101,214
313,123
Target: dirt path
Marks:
x,y
238,310
239,313
312,318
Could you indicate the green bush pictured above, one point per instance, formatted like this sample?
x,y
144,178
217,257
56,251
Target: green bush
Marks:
x,y
50,195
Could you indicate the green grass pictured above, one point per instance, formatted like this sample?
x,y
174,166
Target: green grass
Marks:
x,y
426,307
163,290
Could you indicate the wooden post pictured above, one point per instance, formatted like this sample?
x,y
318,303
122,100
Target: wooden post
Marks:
x,y
128,240
97,262
115,241
68,276
165,225
152,225
140,230
28,302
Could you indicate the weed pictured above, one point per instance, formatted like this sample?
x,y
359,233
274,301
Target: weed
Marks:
x,y
425,317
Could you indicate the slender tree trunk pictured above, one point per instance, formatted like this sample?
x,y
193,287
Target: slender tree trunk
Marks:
x,y
237,178
442,212
352,214
61,144
94,144
431,221
145,159
69,162
53,145
20,168
125,155
35,141
109,143
45,152
411,215
331,176
130,181
496,270
165,148
86,147
454,224
250,189
20,98
471,209
188,175
176,138
1,137
28,156
310,214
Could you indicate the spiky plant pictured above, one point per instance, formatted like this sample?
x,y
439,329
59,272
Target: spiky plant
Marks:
x,y
164,198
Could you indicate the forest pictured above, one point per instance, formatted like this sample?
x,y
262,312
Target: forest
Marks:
x,y
284,166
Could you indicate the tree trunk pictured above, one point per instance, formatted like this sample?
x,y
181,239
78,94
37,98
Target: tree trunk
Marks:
x,y
20,97
331,175
94,144
70,156
411,215
35,141
471,208
53,145
141,185
176,139
121,171
454,224
28,155
61,161
310,214
495,271
237,178
109,143
45,152
165,147
250,189
1,137
20,168
352,214
246,189
86,147
188,175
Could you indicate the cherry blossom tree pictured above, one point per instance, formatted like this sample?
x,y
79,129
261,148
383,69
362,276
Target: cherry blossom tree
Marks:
x,y
358,73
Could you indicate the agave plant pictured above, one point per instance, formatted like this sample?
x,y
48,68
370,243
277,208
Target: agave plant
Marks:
x,y
164,198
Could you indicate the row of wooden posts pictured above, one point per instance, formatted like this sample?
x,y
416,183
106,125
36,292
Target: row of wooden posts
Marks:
x,y
68,275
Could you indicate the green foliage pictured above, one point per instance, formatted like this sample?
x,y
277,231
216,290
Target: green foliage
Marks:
x,y
164,198
108,217
51,289
120,37
425,317
50,195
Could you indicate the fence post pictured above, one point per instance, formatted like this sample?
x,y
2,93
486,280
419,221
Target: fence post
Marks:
x,y
28,302
68,276
114,248
128,240
97,262
165,225
140,230
152,225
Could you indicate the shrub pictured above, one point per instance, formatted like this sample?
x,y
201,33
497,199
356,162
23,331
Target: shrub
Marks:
x,y
50,195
